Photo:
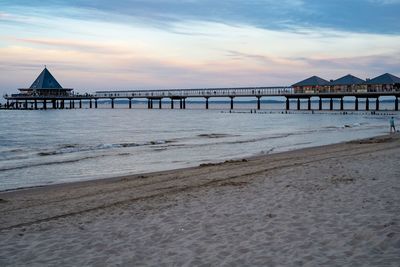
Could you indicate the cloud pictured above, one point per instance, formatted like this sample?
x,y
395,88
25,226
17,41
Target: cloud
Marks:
x,y
385,2
349,15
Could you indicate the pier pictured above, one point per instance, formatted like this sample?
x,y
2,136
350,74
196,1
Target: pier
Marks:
x,y
178,97
47,93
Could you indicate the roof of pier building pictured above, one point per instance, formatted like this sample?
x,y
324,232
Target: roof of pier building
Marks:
x,y
312,81
347,80
45,81
386,78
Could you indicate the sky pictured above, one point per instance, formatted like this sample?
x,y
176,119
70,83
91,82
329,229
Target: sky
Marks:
x,y
130,44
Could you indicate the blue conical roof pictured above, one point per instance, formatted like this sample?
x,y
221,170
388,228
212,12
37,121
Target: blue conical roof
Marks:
x,y
45,81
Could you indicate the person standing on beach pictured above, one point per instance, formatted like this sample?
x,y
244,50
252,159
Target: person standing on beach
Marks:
x,y
392,125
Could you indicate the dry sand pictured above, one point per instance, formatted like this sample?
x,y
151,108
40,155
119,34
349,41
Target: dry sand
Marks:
x,y
336,205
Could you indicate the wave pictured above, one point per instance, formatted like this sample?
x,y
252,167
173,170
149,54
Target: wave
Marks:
x,y
215,135
29,165
73,148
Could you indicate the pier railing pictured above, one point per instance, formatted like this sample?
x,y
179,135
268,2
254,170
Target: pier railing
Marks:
x,y
200,92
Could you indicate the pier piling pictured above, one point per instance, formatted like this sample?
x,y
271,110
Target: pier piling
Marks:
x,y
356,104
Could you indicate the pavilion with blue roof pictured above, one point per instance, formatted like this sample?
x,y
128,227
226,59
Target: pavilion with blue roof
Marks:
x,y
46,85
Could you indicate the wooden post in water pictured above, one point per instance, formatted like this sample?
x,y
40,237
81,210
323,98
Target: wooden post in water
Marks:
x,y
26,104
130,102
90,103
377,103
112,102
80,103
356,104
160,103
298,104
34,105
287,104
95,103
258,102
341,104
206,102
232,101
309,103
45,104
320,103
396,104
184,103
73,103
172,103
62,104
367,103
331,104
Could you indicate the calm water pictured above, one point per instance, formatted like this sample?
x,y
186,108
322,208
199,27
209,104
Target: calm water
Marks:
x,y
53,146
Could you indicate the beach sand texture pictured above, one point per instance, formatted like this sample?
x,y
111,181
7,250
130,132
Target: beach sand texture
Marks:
x,y
336,205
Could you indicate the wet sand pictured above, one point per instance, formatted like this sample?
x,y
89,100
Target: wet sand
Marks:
x,y
335,205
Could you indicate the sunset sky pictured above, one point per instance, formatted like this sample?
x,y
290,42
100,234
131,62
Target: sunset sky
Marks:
x,y
128,44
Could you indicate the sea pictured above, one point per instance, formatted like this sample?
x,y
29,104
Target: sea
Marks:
x,y
43,147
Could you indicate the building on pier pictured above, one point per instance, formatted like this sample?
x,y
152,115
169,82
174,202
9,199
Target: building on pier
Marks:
x,y
313,84
383,83
45,85
348,83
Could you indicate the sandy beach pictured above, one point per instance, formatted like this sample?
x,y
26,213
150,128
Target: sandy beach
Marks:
x,y
336,205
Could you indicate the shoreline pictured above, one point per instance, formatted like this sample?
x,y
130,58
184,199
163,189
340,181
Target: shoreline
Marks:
x,y
133,176
320,206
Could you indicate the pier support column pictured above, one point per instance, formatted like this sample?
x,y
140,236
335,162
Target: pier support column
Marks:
x,y
95,103
298,104
90,103
16,104
73,103
180,103
8,104
70,104
367,103
258,102
160,103
206,102
231,101
53,102
331,104
287,104
26,104
44,104
309,103
130,103
184,103
341,104
62,104
356,104
172,103
320,104
80,103
34,105
112,102
151,103
396,104
377,104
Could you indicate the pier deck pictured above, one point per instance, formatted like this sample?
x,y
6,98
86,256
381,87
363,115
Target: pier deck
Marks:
x,y
22,101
